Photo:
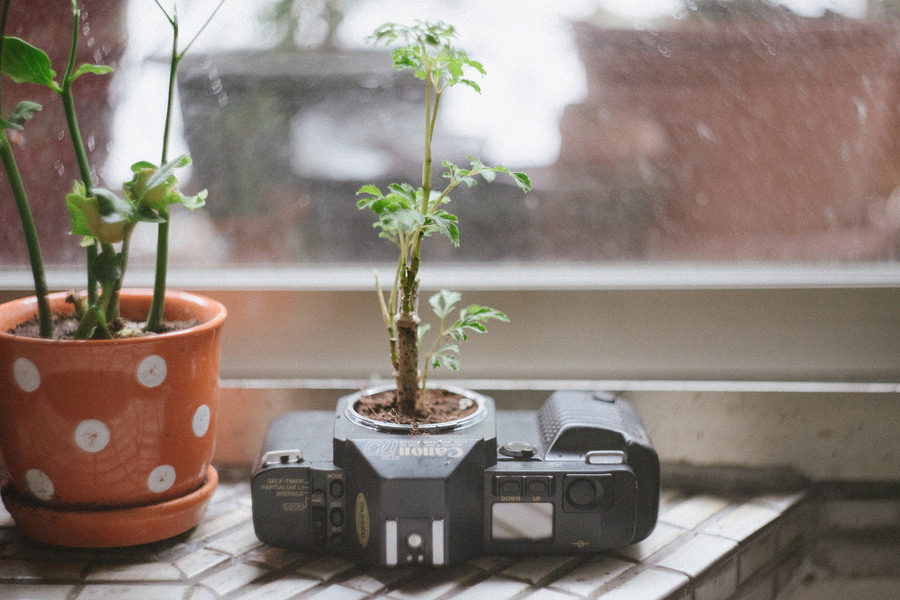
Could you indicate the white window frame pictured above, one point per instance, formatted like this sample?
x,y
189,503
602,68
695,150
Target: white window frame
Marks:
x,y
742,322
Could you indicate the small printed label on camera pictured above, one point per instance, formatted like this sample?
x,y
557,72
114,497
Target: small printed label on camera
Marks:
x,y
416,448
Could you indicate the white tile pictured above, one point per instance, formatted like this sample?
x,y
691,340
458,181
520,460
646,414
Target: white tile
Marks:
x,y
694,511
133,592
237,541
535,569
377,579
325,568
791,527
698,554
135,572
433,584
780,502
41,570
718,585
337,592
200,593
210,526
199,561
652,584
548,594
591,576
281,589
277,558
495,588
743,522
234,577
35,592
764,589
754,555
661,537
6,519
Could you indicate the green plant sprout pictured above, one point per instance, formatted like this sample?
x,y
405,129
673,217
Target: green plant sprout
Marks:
x,y
407,215
100,216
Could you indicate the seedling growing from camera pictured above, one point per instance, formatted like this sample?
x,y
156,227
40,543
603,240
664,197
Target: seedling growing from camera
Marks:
x,y
407,215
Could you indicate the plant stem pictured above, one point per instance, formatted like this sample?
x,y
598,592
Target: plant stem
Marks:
x,y
18,190
158,304
409,387
31,238
81,158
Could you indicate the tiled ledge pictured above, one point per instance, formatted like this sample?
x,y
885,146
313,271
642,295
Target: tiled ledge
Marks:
x,y
705,547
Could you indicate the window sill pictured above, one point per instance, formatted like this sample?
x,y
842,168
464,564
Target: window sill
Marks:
x,y
704,546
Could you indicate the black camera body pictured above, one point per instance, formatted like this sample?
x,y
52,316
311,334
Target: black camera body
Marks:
x,y
579,475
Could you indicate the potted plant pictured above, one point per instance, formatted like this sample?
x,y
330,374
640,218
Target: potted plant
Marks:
x,y
406,216
108,414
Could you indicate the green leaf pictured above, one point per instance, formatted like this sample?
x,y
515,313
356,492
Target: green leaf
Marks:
x,y
163,175
444,302
145,214
194,202
112,208
138,166
446,224
24,111
523,181
107,267
371,190
156,187
472,318
24,63
447,357
93,69
104,217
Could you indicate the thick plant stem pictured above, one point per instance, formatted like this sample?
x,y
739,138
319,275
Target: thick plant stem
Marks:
x,y
408,397
31,239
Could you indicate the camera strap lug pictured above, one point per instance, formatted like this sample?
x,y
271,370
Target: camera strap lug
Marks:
x,y
605,457
282,457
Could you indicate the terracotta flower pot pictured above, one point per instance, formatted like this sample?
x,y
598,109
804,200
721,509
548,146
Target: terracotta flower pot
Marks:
x,y
108,442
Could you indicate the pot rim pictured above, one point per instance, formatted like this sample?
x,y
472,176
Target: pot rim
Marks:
x,y
28,305
446,426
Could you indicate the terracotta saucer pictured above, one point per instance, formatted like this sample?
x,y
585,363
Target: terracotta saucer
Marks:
x,y
108,528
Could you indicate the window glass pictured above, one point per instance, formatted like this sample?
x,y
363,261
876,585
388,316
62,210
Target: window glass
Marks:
x,y
696,130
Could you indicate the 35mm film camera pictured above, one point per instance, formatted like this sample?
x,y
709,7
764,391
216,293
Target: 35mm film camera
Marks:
x,y
578,475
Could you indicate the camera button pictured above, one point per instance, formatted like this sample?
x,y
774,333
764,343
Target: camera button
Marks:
x,y
336,488
518,450
539,486
582,492
505,485
337,517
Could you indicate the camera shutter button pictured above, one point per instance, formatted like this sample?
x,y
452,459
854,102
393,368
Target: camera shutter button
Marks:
x,y
518,450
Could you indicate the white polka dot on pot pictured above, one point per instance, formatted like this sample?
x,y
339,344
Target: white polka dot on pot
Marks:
x,y
200,422
161,478
92,435
26,374
151,371
39,484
